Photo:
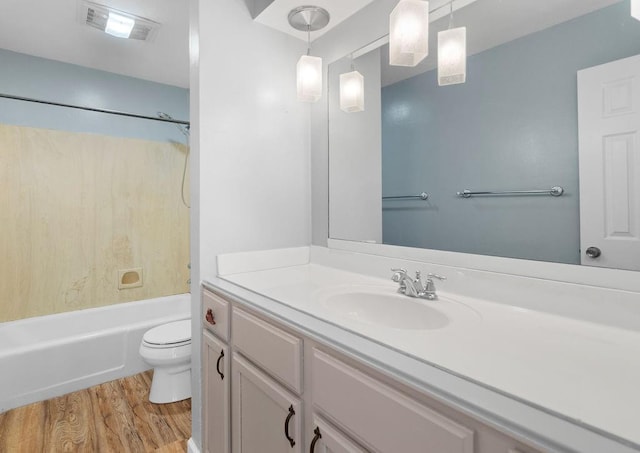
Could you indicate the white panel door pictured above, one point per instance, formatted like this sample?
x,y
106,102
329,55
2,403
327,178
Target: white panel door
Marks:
x,y
216,376
266,417
608,122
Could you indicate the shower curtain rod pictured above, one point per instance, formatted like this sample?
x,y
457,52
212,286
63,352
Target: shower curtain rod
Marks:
x,y
91,109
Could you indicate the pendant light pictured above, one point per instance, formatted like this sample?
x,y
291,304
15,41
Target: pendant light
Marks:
x,y
352,91
452,54
309,68
409,33
635,9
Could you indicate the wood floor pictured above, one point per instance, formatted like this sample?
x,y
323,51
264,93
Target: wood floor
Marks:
x,y
111,417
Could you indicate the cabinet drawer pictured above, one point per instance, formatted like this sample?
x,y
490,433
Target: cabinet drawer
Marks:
x,y
275,350
380,416
215,316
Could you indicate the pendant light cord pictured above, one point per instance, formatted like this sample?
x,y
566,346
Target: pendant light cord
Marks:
x,y
451,15
308,39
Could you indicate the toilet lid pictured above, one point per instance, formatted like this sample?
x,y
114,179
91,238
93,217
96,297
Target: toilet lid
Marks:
x,y
170,333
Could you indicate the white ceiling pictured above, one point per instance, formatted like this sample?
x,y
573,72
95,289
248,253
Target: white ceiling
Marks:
x,y
50,29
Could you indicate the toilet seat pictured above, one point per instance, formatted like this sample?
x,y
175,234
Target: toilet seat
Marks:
x,y
170,335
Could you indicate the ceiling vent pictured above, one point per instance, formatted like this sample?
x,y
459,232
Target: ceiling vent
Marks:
x,y
101,17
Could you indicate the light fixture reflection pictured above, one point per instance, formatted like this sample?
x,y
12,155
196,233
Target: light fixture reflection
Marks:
x,y
352,92
409,33
452,56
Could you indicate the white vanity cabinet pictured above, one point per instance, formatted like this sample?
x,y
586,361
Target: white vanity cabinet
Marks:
x,y
216,375
337,405
267,377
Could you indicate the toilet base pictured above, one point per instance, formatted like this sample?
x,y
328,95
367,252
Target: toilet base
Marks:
x,y
170,384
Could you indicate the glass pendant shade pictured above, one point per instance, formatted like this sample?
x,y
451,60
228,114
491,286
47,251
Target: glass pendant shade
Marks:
x,y
409,33
309,78
352,92
452,56
635,9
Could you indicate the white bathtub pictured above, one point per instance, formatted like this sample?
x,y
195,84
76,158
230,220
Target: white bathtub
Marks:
x,y
52,355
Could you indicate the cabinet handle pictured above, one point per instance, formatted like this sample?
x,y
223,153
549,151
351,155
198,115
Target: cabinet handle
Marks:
x,y
218,365
317,437
210,318
286,426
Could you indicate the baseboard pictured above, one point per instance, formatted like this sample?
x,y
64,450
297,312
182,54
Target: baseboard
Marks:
x,y
192,447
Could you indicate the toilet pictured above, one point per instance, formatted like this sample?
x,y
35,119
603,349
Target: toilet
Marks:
x,y
167,348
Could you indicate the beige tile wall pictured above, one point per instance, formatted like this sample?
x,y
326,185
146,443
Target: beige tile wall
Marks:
x,y
76,208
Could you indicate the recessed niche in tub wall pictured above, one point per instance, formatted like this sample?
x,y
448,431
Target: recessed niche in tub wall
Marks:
x,y
77,208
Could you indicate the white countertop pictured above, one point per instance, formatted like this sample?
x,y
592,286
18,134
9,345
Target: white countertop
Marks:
x,y
581,370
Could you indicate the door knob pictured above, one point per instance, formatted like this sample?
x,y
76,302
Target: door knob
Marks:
x,y
593,252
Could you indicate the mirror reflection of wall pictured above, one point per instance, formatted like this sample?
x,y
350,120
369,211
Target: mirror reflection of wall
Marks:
x,y
512,126
356,214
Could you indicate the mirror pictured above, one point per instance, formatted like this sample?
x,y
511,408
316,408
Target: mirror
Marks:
x,y
548,101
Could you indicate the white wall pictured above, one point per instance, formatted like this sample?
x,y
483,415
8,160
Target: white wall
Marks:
x,y
251,137
254,136
355,173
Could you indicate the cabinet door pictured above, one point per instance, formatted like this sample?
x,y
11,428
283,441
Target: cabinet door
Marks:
x,y
327,439
266,417
216,379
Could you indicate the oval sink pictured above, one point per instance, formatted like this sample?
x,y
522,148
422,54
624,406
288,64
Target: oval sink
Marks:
x,y
386,310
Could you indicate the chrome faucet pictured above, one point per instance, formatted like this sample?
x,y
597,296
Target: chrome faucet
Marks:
x,y
416,287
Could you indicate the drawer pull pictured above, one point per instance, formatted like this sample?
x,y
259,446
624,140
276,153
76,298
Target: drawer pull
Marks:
x,y
286,426
218,365
317,437
209,317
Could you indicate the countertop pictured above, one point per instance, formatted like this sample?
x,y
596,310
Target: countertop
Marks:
x,y
579,371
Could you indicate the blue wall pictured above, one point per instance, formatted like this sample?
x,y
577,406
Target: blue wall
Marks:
x,y
28,76
513,125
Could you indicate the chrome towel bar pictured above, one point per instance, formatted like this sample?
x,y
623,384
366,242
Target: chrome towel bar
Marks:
x,y
422,196
554,191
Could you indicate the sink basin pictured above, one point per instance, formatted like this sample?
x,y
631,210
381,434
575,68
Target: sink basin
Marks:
x,y
386,310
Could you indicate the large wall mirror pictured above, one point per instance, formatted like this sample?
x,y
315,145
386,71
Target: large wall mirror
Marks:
x,y
551,99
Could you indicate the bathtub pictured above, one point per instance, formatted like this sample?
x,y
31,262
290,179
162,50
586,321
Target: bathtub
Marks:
x,y
49,356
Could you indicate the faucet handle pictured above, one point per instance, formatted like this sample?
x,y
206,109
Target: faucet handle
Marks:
x,y
398,273
439,277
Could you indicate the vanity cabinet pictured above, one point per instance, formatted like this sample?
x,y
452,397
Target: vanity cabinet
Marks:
x,y
216,376
267,379
337,405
